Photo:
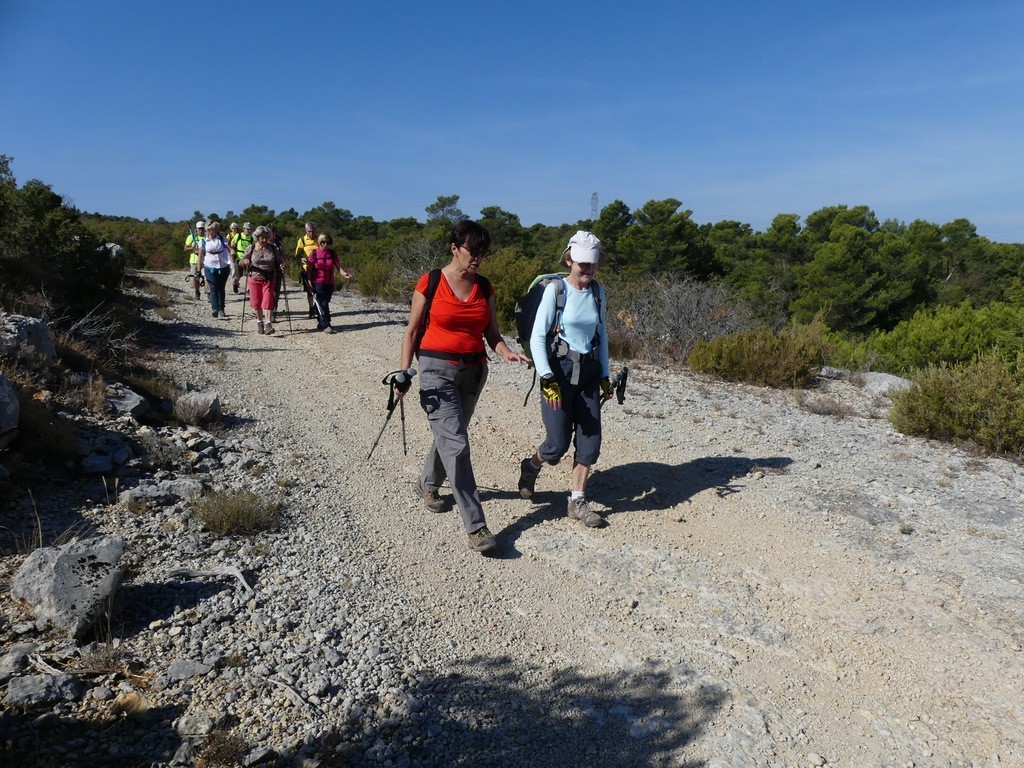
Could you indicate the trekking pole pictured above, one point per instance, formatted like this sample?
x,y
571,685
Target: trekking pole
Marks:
x,y
316,303
400,380
287,308
245,292
618,385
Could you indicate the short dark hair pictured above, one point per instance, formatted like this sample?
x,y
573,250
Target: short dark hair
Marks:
x,y
471,235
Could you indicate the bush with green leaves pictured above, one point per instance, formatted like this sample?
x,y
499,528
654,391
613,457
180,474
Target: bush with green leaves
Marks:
x,y
940,335
981,402
764,357
45,248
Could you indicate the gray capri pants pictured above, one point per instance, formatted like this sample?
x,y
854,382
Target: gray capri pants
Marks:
x,y
579,418
448,393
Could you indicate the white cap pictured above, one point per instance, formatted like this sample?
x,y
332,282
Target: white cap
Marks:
x,y
200,224
584,248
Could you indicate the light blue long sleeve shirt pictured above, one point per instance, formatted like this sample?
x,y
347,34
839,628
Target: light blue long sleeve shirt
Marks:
x,y
580,320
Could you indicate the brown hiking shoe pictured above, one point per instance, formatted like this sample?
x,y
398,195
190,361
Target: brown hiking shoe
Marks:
x,y
482,540
431,499
579,509
527,477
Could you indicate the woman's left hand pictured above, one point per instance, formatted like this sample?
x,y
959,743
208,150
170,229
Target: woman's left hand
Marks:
x,y
515,357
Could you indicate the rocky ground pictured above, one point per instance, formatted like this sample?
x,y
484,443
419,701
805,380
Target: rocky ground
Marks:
x,y
783,581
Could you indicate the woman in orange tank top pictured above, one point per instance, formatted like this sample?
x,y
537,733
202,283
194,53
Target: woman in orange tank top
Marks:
x,y
447,335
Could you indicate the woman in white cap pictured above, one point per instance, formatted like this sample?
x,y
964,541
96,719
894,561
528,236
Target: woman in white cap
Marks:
x,y
216,258
570,349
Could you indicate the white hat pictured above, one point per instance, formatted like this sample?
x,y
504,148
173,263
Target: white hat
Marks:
x,y
200,225
584,248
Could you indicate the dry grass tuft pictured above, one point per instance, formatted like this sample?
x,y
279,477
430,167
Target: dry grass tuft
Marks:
x,y
223,513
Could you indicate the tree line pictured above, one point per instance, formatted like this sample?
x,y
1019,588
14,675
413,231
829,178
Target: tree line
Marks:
x,y
876,284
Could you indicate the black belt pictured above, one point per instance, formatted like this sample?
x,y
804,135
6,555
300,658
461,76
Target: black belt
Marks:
x,y
469,359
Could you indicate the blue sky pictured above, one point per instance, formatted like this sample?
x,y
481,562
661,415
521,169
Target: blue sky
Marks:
x,y
741,110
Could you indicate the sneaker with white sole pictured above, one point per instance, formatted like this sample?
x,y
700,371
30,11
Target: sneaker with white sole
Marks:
x,y
482,540
527,477
431,499
269,329
579,509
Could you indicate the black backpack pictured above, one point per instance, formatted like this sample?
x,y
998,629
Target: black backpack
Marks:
x,y
527,304
526,313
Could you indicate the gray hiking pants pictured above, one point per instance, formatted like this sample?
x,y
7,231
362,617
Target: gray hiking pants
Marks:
x,y
448,393
579,418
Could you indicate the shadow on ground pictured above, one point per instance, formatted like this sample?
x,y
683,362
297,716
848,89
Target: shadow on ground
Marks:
x,y
491,715
49,740
640,487
646,486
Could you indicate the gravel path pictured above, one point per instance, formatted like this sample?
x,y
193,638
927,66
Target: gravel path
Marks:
x,y
775,587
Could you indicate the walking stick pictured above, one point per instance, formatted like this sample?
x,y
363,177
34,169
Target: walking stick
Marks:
x,y
400,380
245,293
287,308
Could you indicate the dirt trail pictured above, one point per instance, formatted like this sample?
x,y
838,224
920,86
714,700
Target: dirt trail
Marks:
x,y
774,587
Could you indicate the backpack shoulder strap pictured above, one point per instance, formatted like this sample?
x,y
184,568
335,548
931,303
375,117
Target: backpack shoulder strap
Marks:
x,y
560,297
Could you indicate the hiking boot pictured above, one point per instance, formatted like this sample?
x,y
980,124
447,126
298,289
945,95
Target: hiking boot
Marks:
x,y
269,329
328,329
223,315
234,286
312,314
579,509
214,313
259,328
431,499
527,477
482,540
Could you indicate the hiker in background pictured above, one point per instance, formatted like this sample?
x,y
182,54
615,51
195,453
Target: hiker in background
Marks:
x,y
320,273
235,256
446,331
303,248
277,244
240,244
192,249
265,265
217,265
570,351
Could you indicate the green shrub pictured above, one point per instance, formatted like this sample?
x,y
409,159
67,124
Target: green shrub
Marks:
x,y
227,512
945,334
763,357
375,279
981,402
511,275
